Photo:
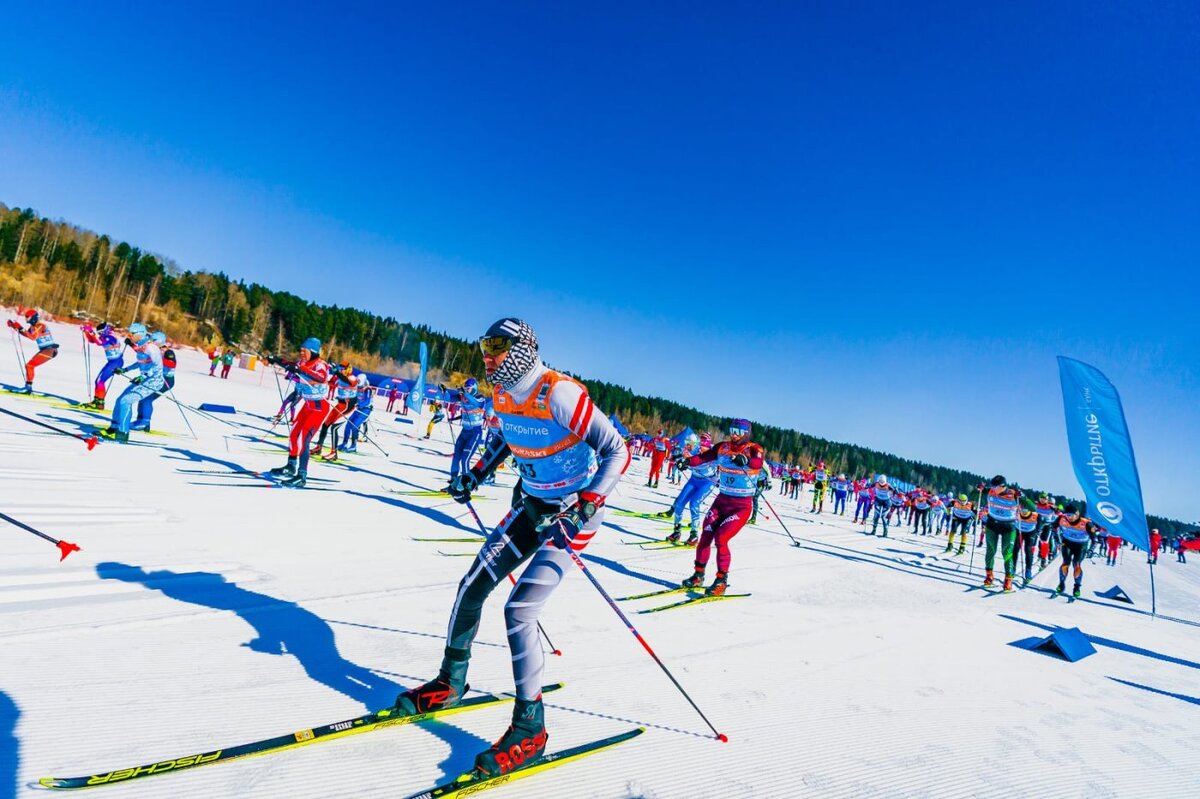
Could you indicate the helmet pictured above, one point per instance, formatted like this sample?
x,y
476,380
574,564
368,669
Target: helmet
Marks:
x,y
820,464
347,368
31,315
158,337
515,337
311,344
739,427
471,384
1071,510
705,440
962,497
881,480
841,476
137,329
998,480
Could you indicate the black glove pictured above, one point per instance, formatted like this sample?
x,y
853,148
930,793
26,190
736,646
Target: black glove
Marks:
x,y
562,527
741,459
128,341
272,359
120,370
461,486
137,381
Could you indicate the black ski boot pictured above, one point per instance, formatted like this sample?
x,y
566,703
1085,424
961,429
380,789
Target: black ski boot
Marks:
x,y
298,480
719,585
696,580
524,740
285,471
692,540
445,690
674,537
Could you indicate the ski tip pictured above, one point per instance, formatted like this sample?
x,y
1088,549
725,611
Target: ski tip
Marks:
x,y
722,737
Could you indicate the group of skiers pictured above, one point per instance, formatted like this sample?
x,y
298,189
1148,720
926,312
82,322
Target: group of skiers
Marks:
x,y
154,364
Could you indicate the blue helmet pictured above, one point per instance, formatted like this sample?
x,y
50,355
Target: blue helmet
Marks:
x,y
137,329
471,384
158,337
311,344
742,425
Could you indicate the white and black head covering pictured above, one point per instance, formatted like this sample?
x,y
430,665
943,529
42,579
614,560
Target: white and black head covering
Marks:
x,y
522,354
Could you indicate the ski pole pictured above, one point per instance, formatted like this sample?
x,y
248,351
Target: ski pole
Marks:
x,y
780,520
65,547
629,625
178,404
974,537
89,440
19,351
555,650
87,359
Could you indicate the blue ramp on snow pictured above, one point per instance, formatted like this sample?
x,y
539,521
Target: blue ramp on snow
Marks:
x,y
213,408
1070,645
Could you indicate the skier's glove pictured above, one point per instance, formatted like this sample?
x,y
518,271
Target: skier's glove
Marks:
x,y
137,381
272,359
561,528
119,370
14,325
741,459
461,486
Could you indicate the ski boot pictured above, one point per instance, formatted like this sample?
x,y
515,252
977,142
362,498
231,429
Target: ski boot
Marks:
x,y
961,550
27,390
524,740
97,403
1028,576
141,425
1041,563
666,514
1062,586
753,520
656,484
692,540
285,471
444,690
719,585
297,480
1008,585
696,580
949,547
674,537
1078,590
988,580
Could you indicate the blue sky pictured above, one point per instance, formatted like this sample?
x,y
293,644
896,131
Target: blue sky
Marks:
x,y
873,223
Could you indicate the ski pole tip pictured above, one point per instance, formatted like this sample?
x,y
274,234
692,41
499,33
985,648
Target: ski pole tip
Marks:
x,y
558,652
91,442
722,737
66,548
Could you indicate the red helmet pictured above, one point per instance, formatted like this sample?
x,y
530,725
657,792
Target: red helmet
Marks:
x,y
31,314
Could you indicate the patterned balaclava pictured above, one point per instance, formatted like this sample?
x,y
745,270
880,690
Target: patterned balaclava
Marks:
x,y
522,355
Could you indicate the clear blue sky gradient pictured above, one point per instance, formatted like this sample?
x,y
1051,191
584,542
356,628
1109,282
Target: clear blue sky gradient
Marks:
x,y
873,222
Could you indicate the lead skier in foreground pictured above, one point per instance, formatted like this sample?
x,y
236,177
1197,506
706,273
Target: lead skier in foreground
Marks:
x,y
569,457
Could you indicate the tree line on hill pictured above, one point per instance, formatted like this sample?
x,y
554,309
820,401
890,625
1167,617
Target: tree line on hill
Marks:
x,y
69,270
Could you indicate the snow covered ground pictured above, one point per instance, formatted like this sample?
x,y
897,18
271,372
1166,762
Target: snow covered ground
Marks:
x,y
207,610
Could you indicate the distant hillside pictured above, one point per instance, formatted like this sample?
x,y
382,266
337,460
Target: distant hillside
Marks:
x,y
66,269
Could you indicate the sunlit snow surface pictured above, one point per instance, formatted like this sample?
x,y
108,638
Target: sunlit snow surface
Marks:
x,y
206,611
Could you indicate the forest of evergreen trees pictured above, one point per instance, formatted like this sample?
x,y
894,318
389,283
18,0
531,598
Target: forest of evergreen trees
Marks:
x,y
68,270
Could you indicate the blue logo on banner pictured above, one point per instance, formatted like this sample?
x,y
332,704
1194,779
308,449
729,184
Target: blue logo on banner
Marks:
x,y
1102,452
417,395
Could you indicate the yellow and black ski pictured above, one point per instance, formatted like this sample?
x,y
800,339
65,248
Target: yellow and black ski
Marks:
x,y
388,717
472,782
